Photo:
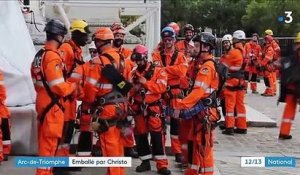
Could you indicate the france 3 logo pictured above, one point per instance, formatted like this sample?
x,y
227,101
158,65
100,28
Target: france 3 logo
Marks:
x,y
287,18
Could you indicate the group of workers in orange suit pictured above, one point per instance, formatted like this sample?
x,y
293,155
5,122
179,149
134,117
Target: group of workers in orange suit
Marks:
x,y
124,97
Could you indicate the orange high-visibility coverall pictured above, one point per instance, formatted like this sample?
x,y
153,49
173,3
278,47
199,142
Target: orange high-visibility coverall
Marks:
x,y
85,139
186,48
5,142
111,140
201,148
185,125
289,111
234,92
277,56
72,56
126,53
266,62
253,55
149,119
51,129
175,71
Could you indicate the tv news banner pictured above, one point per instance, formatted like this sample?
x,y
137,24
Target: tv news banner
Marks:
x,y
47,162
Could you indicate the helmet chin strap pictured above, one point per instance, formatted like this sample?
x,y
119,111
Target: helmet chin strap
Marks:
x,y
57,40
99,47
204,51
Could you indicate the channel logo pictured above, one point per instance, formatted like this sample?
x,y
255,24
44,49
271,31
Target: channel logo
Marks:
x,y
288,18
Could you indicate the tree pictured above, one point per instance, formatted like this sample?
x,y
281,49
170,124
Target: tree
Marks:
x,y
223,16
262,15
226,16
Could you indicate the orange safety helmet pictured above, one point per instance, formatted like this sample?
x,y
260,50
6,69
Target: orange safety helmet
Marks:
x,y
117,28
175,27
103,33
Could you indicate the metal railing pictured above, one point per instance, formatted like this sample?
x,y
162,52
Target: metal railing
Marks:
x,y
285,44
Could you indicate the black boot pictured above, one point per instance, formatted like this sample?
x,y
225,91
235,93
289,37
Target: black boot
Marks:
x,y
222,126
72,169
228,131
130,152
145,166
178,157
164,171
60,171
284,137
240,131
5,157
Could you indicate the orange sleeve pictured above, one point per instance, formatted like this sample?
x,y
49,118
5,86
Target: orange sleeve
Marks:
x,y
259,52
202,83
52,66
126,53
275,46
247,48
268,56
180,68
91,84
4,112
67,55
2,89
180,46
233,60
128,68
77,74
158,83
156,57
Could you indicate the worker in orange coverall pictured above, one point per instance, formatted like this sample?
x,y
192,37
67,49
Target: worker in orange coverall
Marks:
x,y
276,59
200,147
186,84
186,46
119,37
175,28
108,90
290,91
5,142
51,87
176,66
268,67
84,111
150,83
253,56
72,55
234,92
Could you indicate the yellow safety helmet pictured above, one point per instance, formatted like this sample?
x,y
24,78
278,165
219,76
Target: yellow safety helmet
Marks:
x,y
269,32
297,39
80,25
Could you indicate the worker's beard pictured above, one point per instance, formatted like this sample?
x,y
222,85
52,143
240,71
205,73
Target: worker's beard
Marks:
x,y
141,67
80,38
118,42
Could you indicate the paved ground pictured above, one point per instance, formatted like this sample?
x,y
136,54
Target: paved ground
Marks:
x,y
259,141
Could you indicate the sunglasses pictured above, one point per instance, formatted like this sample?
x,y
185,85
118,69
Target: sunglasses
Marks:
x,y
168,39
93,51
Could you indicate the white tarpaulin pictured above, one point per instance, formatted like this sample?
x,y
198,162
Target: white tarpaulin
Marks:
x,y
16,54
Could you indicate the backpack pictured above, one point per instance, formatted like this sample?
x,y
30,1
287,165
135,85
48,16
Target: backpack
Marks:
x,y
222,72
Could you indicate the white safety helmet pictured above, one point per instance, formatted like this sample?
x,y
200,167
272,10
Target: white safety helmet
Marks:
x,y
239,34
92,46
227,37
